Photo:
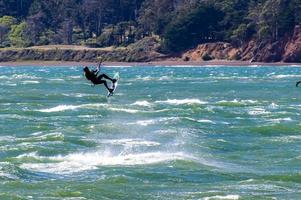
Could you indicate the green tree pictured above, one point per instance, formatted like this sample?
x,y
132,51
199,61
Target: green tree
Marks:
x,y
198,26
17,35
5,25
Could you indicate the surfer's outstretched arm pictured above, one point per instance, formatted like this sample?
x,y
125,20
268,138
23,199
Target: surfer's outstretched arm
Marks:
x,y
298,82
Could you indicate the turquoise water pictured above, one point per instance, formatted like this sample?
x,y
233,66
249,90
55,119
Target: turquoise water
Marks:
x,y
167,133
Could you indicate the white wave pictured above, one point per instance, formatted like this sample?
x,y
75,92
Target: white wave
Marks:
x,y
59,108
78,95
273,106
258,111
38,136
142,103
155,121
231,77
182,101
4,77
78,162
30,82
279,120
8,84
200,120
164,78
124,110
131,142
146,78
244,102
145,122
22,76
280,76
7,138
74,77
56,79
230,197
29,155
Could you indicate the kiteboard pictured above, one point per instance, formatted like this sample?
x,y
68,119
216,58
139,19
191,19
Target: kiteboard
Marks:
x,y
114,85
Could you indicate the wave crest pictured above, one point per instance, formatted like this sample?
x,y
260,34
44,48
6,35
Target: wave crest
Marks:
x,y
78,162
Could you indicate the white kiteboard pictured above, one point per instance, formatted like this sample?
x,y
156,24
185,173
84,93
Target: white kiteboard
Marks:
x,y
114,85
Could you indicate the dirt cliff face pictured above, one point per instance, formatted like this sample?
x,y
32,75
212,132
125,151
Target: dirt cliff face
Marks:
x,y
288,49
292,50
210,51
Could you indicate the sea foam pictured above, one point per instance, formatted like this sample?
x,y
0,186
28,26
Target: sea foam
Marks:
x,y
182,101
230,197
142,103
77,162
131,142
61,108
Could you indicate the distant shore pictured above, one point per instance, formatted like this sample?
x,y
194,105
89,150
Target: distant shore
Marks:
x,y
154,63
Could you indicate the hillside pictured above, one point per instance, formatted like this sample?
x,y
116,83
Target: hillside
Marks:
x,y
120,30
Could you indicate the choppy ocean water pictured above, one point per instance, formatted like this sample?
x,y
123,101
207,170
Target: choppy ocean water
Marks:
x,y
168,133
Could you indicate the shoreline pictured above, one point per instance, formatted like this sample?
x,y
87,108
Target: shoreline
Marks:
x,y
150,64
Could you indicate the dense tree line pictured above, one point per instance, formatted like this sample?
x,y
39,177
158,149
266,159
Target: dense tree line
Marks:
x,y
180,24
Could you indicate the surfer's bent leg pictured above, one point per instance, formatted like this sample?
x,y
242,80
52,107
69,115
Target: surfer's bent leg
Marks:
x,y
103,82
106,77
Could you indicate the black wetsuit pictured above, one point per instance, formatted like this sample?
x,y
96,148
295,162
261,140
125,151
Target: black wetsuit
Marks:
x,y
96,80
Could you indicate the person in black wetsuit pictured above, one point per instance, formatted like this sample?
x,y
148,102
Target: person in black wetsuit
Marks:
x,y
95,79
297,83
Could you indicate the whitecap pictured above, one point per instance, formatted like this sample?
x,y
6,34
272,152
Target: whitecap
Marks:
x,y
29,155
182,101
164,78
59,108
30,82
146,78
235,101
281,76
273,106
56,79
74,77
230,197
132,111
7,138
155,121
78,162
145,122
142,103
22,76
131,142
258,111
200,120
279,120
